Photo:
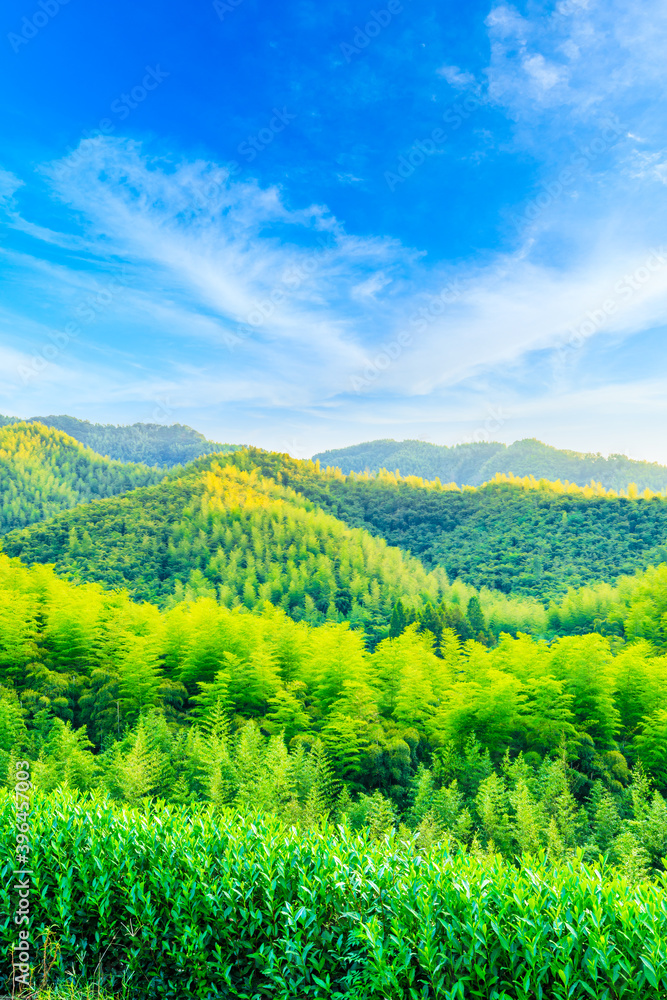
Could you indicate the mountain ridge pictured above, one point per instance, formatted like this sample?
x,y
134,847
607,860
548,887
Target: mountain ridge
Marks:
x,y
518,535
521,538
145,444
232,535
476,463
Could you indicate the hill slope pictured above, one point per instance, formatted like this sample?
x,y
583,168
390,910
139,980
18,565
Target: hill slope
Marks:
x,y
233,534
517,535
43,471
151,444
474,464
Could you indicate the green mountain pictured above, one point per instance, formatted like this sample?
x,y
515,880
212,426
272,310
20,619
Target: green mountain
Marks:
x,y
150,444
516,535
474,464
527,742
44,471
234,535
236,645
512,537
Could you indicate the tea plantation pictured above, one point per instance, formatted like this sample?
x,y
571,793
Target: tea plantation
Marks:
x,y
181,903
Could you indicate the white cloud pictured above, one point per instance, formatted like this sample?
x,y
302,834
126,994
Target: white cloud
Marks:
x,y
584,59
368,289
297,319
652,166
249,302
216,241
9,185
545,75
456,78
516,307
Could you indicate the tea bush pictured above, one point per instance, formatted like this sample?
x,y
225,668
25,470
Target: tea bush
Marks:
x,y
177,903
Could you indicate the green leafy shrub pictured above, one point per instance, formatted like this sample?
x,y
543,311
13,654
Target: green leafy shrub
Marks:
x,y
178,903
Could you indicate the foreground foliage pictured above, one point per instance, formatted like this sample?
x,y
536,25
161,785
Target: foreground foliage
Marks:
x,y
189,903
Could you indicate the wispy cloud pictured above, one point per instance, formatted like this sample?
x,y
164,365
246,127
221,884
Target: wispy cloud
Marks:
x,y
238,295
456,78
206,256
579,61
9,185
234,248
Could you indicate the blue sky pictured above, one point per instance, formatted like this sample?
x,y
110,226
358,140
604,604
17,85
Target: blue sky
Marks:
x,y
306,225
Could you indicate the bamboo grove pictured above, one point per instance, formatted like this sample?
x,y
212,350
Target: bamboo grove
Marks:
x,y
522,744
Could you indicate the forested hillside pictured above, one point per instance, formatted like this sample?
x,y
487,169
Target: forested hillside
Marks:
x,y
474,464
519,536
237,537
44,471
515,537
150,444
522,746
254,671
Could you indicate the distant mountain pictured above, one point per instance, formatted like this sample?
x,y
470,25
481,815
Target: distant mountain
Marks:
x,y
474,464
151,444
244,535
